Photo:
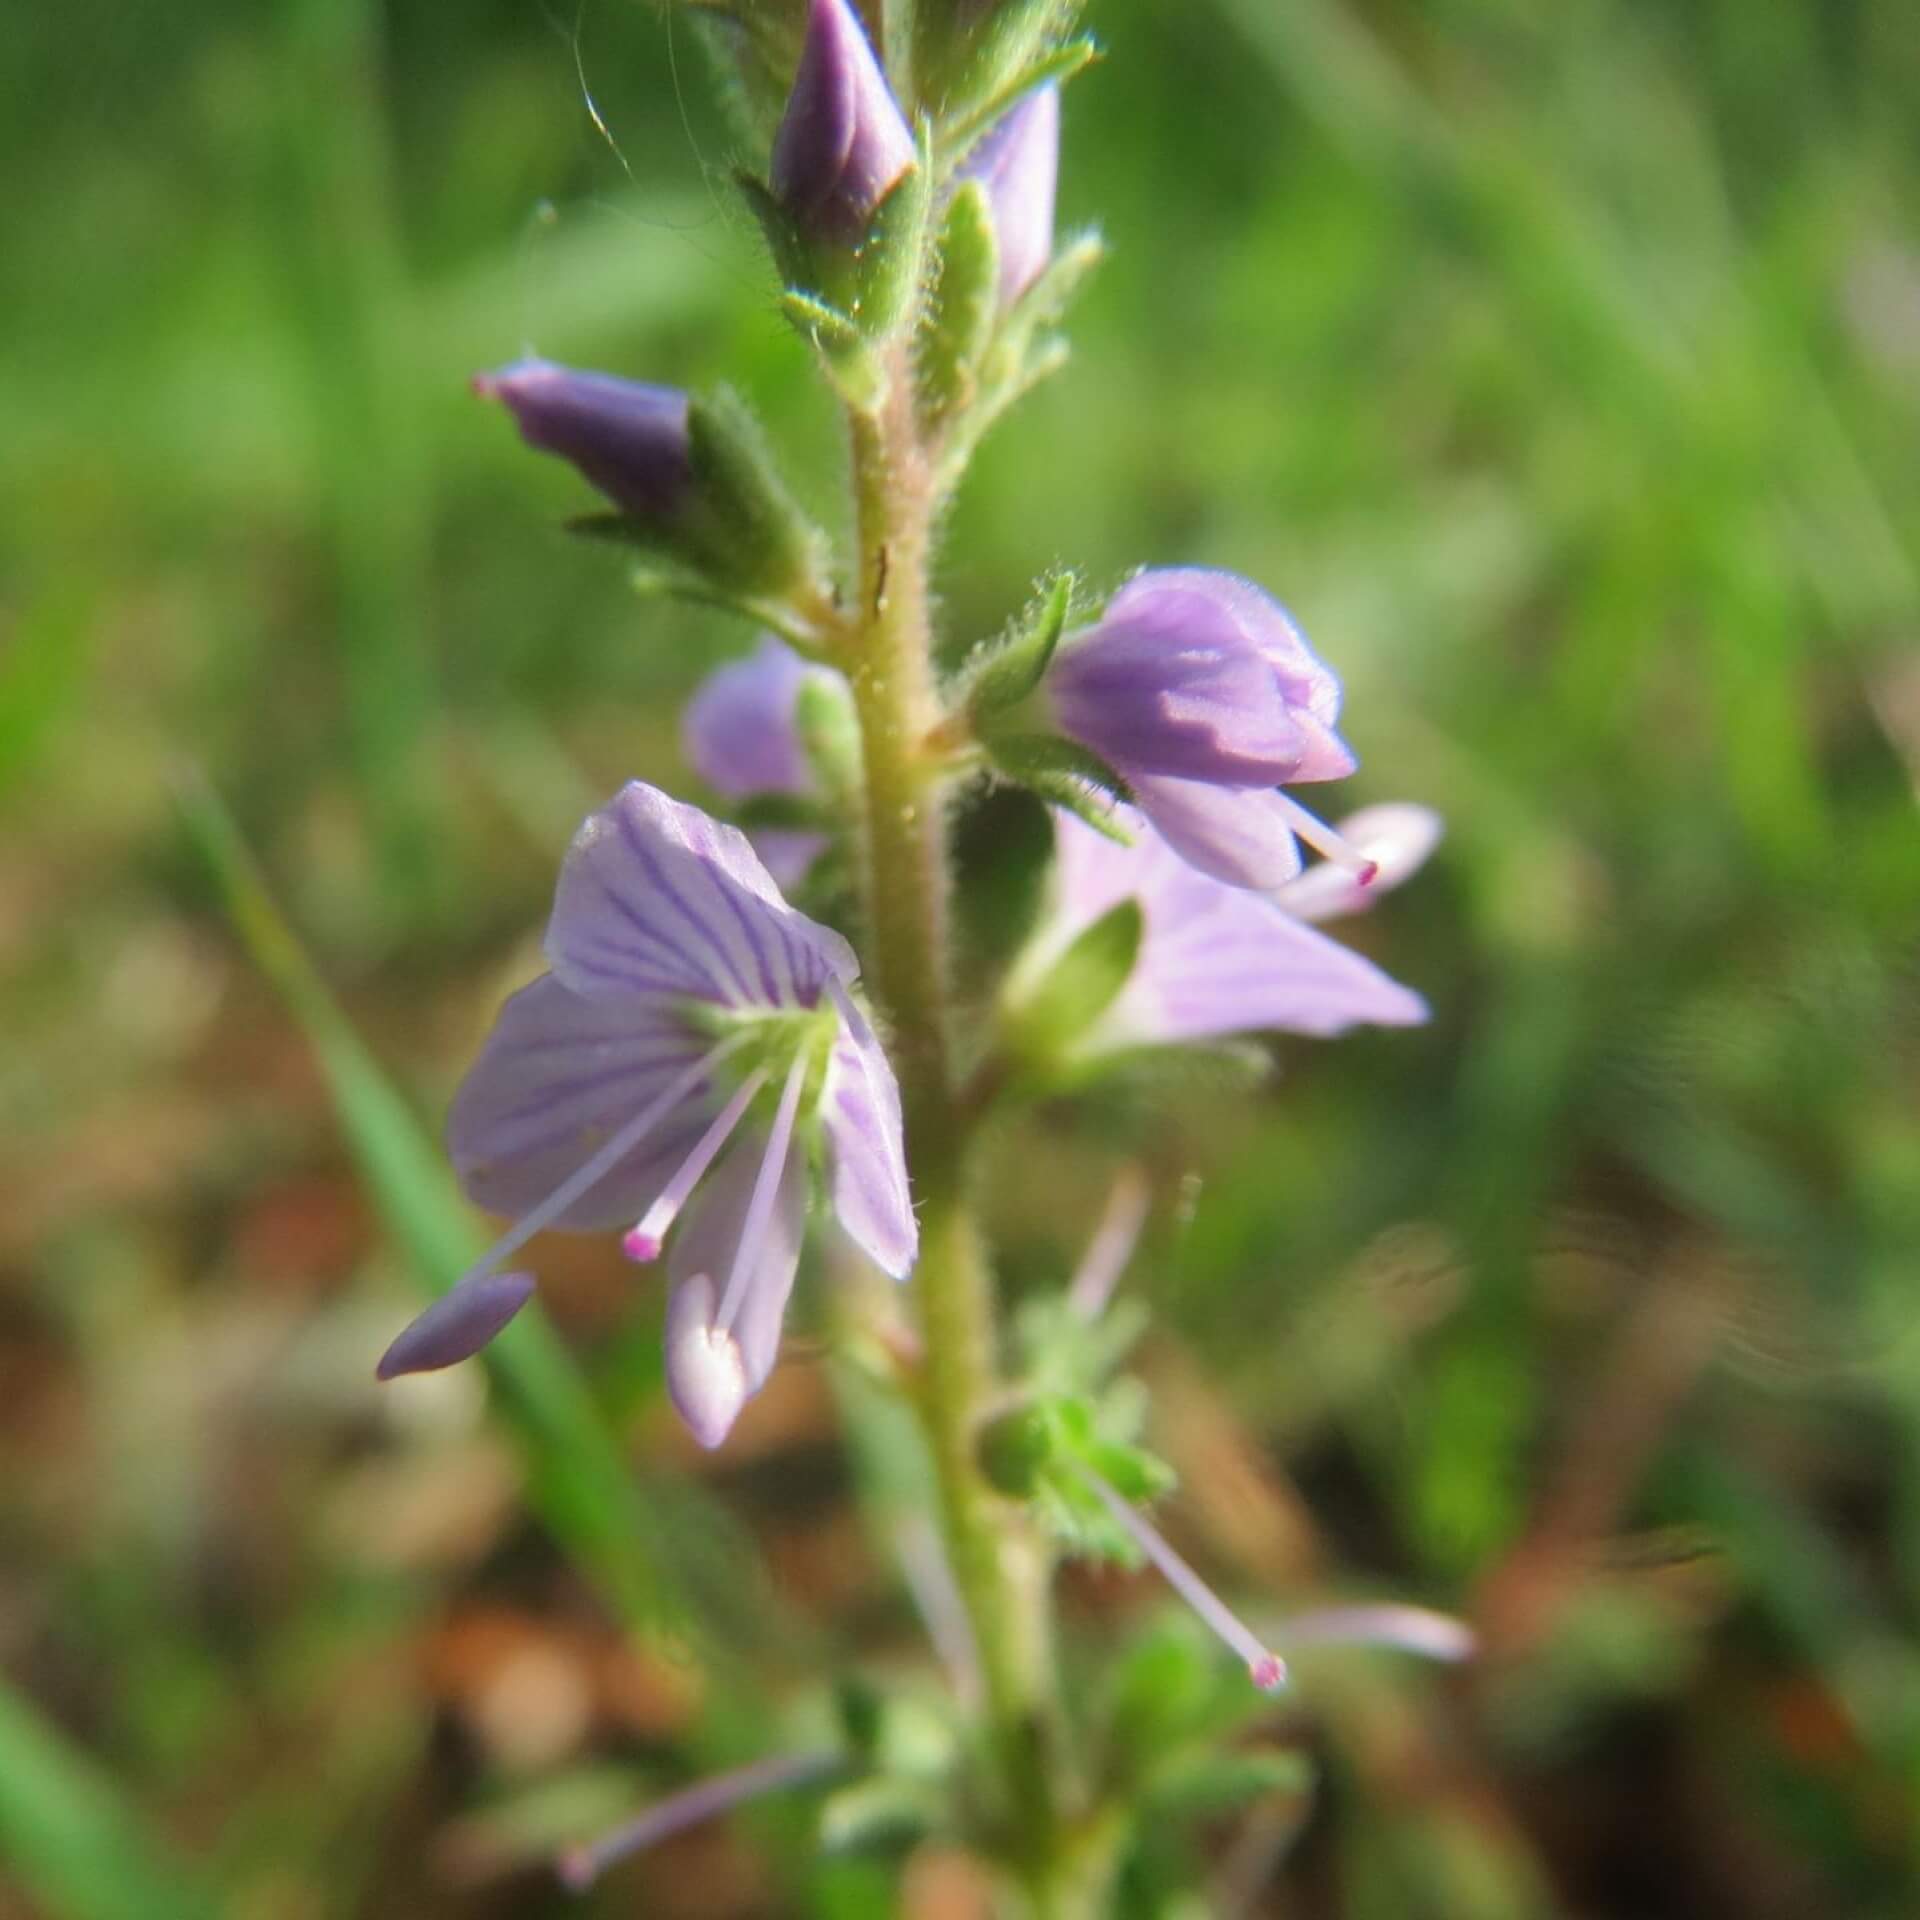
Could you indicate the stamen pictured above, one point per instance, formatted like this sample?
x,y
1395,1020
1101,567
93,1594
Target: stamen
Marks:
x,y
602,1162
766,1187
579,1867
1434,1636
1326,840
643,1242
1267,1670
1112,1245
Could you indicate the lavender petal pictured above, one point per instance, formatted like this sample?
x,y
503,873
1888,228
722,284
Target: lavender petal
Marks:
x,y
558,1075
462,1321
651,887
867,1166
738,729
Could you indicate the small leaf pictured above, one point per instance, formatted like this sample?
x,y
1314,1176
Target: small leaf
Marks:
x,y
790,255
880,1817
846,355
1077,988
828,724
1010,669
1209,1782
963,307
1005,68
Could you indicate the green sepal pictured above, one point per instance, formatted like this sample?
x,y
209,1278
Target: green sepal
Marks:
x,y
962,307
792,258
1076,989
889,264
754,46
881,1818
779,813
740,532
1209,1782
973,69
1064,774
741,511
1005,672
855,372
828,724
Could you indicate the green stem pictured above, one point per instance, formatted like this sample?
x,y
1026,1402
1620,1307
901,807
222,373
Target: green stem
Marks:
x,y
1000,1568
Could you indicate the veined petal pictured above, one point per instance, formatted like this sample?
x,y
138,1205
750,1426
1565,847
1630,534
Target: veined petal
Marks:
x,y
710,1236
558,1075
657,897
738,729
867,1167
1153,692
1213,959
705,1378
1241,836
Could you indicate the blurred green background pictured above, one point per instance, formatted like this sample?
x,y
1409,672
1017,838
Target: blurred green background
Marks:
x,y
1560,366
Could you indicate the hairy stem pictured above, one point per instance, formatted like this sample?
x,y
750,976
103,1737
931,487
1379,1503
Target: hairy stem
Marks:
x,y
1000,1569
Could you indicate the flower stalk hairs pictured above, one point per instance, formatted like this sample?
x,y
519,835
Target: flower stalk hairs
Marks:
x,y
749,1037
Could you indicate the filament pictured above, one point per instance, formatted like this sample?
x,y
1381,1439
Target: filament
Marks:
x,y
1326,840
642,1242
599,1164
766,1186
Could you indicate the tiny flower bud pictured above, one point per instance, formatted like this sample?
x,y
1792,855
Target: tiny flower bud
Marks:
x,y
843,142
629,439
1019,165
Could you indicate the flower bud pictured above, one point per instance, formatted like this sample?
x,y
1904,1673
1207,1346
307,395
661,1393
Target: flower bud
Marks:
x,y
688,478
631,440
843,142
1019,164
462,1321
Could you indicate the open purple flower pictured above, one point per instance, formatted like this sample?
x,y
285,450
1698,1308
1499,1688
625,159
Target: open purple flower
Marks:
x,y
1019,165
843,143
692,1022
1213,959
742,737
1201,692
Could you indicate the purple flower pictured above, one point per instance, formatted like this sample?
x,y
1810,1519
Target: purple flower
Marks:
x,y
742,737
1019,164
1213,959
691,1021
843,142
629,439
1202,694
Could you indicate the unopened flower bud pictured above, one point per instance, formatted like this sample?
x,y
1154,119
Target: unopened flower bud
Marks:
x,y
843,142
631,440
1019,165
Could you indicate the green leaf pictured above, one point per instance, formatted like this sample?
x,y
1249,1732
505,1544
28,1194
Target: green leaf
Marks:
x,y
671,1559
1010,669
73,1839
962,309
847,357
1051,1017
